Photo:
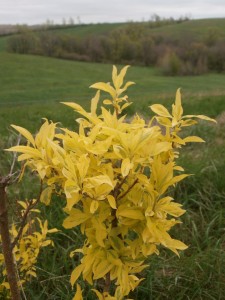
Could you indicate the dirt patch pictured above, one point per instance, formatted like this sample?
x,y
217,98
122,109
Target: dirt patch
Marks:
x,y
221,119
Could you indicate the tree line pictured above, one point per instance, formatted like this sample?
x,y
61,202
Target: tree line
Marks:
x,y
133,43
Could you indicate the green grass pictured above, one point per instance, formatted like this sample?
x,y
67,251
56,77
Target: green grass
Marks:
x,y
90,29
197,29
32,87
3,43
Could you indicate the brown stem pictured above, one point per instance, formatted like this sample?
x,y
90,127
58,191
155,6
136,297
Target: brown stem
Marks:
x,y
128,190
14,157
6,244
107,283
24,219
115,221
118,187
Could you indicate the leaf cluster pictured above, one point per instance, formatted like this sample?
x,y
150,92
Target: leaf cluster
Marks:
x,y
27,249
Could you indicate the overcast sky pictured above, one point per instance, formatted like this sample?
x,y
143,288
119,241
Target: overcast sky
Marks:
x,y
94,11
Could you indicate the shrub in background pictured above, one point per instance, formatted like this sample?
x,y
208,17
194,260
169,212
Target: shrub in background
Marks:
x,y
133,43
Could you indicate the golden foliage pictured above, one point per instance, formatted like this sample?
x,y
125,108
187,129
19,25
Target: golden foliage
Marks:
x,y
116,177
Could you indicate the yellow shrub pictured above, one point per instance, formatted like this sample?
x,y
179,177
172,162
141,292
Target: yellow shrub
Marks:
x,y
116,177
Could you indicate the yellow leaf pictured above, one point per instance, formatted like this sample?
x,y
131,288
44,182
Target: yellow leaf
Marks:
x,y
46,195
75,106
98,294
129,83
178,140
107,102
114,74
178,168
94,103
112,257
112,201
200,117
76,274
6,285
75,218
78,108
25,133
27,150
165,204
118,81
130,212
78,295
102,269
178,98
174,244
75,197
94,206
155,149
194,139
101,232
125,105
83,165
32,273
46,243
104,87
126,166
116,243
177,108
188,122
148,249
98,180
160,110
164,121
178,178
23,204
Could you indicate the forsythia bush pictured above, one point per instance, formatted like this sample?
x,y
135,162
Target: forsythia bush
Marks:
x,y
116,177
26,251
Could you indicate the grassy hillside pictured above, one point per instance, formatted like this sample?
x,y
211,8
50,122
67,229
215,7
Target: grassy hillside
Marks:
x,y
198,29
32,87
89,29
3,42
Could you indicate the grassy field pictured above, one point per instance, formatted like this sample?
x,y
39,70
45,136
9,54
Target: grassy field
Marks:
x,y
200,29
32,87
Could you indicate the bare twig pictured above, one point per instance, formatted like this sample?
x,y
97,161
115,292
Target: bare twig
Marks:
x,y
25,215
107,283
118,187
14,158
128,190
6,242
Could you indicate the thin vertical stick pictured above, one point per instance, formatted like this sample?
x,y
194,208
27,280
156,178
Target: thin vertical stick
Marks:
x,y
6,244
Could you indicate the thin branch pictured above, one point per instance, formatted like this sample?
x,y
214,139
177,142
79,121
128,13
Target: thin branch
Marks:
x,y
118,187
30,206
14,158
128,190
19,281
107,283
6,242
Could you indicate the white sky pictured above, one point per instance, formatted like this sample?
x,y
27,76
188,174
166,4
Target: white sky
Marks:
x,y
94,11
